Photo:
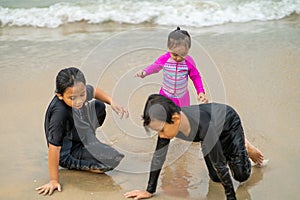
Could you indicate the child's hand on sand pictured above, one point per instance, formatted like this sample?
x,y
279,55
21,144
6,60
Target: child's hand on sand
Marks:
x,y
202,97
138,194
49,188
140,74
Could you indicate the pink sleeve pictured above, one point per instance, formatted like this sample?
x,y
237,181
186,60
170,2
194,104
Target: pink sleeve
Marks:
x,y
194,75
158,64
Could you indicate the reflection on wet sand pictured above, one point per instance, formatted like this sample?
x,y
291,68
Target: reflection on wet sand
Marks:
x,y
175,181
88,181
242,192
215,190
187,178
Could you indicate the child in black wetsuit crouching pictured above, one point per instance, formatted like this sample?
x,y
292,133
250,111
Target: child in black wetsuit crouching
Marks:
x,y
216,126
72,117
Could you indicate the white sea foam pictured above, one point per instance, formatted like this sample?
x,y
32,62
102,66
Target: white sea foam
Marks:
x,y
185,12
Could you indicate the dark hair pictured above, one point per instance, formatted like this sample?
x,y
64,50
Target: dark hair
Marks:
x,y
160,108
67,78
179,37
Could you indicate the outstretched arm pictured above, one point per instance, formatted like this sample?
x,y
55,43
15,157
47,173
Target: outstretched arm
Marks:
x,y
53,162
102,96
154,67
196,79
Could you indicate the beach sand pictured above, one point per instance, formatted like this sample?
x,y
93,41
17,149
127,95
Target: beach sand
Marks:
x,y
255,67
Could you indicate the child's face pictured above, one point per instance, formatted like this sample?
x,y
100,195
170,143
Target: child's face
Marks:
x,y
179,53
164,130
74,96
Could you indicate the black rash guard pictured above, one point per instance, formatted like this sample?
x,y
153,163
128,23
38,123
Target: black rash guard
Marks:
x,y
59,121
74,130
214,125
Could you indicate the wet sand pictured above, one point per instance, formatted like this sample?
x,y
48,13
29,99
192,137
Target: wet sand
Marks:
x,y
254,67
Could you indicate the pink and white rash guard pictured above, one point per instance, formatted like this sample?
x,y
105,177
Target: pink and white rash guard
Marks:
x,y
175,78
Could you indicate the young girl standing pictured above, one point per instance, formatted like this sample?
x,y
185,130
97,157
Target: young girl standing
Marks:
x,y
70,123
177,66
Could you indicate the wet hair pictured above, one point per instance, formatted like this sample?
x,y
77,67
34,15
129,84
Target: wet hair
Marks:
x,y
160,108
179,37
67,78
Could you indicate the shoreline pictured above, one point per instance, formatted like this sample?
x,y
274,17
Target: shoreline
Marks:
x,y
83,27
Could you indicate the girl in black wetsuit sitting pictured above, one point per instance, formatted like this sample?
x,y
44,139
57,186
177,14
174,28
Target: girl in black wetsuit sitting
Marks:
x,y
70,123
216,126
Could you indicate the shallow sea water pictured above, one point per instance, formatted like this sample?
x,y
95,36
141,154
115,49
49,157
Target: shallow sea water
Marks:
x,y
255,67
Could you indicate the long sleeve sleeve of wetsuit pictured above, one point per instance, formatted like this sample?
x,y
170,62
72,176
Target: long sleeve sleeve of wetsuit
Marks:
x,y
194,75
157,65
158,160
218,161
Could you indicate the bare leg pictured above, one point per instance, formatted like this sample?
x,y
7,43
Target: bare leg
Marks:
x,y
254,153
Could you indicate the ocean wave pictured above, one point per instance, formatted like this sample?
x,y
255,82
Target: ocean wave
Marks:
x,y
185,13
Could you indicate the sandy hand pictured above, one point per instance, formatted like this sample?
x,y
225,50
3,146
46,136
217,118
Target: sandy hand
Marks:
x,y
138,194
49,188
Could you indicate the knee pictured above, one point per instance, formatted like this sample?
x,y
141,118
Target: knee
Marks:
x,y
241,169
214,178
113,161
241,175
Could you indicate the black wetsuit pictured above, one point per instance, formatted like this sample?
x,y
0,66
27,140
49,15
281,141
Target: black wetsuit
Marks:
x,y
74,131
218,128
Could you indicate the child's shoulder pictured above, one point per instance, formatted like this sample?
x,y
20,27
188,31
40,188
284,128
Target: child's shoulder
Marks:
x,y
165,55
58,107
163,58
190,61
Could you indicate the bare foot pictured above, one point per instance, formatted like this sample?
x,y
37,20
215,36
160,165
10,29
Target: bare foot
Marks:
x,y
254,153
98,171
